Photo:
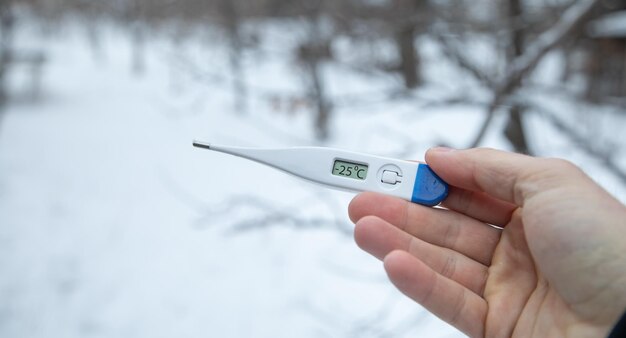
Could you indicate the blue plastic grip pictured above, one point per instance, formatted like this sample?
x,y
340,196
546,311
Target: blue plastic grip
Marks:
x,y
429,189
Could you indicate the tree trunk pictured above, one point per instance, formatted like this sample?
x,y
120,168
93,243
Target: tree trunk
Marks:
x,y
312,55
138,62
323,107
409,61
515,131
232,24
7,25
405,34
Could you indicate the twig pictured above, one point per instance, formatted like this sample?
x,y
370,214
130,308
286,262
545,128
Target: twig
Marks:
x,y
567,94
578,140
265,212
458,56
266,215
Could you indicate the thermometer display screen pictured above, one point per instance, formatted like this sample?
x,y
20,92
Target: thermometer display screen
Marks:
x,y
350,169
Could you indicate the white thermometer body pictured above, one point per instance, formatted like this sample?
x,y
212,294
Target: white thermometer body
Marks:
x,y
412,181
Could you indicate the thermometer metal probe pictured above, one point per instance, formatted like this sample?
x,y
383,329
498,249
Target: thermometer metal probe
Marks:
x,y
412,181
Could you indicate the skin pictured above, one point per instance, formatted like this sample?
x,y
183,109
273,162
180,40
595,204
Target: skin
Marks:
x,y
556,269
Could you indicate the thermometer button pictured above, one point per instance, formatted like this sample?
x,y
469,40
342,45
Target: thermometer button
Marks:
x,y
391,177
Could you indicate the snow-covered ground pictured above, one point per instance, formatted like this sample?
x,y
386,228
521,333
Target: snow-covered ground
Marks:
x,y
112,225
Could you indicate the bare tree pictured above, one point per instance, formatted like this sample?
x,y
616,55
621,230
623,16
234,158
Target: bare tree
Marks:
x,y
311,54
232,21
7,23
138,21
514,130
524,64
411,24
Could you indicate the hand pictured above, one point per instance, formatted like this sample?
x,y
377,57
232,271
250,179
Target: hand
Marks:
x,y
557,269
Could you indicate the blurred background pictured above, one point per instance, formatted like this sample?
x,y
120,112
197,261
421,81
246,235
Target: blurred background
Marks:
x,y
112,225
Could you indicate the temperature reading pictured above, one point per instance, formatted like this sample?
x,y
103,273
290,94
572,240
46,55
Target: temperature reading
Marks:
x,y
350,169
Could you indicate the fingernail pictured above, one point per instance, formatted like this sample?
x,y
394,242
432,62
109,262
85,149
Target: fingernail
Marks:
x,y
442,149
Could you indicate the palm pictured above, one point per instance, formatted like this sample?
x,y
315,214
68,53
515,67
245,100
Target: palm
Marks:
x,y
521,301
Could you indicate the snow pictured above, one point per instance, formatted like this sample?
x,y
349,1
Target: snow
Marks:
x,y
612,25
112,224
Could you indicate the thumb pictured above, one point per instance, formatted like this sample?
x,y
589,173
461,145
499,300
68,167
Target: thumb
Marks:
x,y
506,176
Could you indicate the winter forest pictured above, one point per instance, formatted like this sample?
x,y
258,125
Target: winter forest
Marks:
x,y
113,225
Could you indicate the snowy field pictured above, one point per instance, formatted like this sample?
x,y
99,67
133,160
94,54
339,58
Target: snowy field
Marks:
x,y
112,225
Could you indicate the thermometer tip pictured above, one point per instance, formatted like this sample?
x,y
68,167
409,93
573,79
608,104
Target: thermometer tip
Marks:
x,y
201,144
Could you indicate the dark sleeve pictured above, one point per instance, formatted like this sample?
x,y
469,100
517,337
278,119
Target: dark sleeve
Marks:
x,y
619,331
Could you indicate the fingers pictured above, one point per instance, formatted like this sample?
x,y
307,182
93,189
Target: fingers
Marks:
x,y
445,298
379,238
506,176
480,206
439,227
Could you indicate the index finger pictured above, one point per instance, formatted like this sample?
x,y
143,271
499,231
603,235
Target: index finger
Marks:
x,y
480,206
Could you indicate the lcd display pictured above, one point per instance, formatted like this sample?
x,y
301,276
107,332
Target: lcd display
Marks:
x,y
349,169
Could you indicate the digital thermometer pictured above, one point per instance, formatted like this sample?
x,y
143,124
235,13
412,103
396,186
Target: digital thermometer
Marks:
x,y
412,181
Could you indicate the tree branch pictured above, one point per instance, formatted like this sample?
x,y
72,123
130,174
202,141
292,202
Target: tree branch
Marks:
x,y
580,141
573,17
458,56
266,214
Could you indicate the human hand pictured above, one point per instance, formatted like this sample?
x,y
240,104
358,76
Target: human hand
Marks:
x,y
557,269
